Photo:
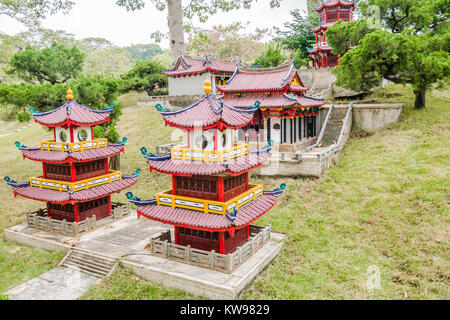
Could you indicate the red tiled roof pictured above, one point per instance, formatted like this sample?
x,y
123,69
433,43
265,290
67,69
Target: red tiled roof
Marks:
x,y
269,79
54,196
199,220
186,65
185,167
62,156
208,112
72,113
320,48
272,101
332,3
324,26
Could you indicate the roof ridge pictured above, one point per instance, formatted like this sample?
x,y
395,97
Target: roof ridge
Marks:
x,y
279,68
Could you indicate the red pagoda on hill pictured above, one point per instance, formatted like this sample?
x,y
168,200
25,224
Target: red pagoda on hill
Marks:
x,y
211,204
76,182
286,115
330,11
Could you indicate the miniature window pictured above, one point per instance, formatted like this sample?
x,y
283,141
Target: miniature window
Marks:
x,y
63,136
224,140
276,126
201,142
82,135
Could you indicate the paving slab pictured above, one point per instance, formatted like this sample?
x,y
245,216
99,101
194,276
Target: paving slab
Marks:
x,y
126,239
61,283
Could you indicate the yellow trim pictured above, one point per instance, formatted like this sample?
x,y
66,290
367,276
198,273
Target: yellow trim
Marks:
x,y
62,185
217,155
206,203
74,146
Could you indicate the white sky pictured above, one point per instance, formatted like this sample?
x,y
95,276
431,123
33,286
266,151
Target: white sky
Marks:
x,y
104,19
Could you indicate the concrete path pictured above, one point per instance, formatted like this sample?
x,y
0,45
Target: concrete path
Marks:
x,y
115,238
61,283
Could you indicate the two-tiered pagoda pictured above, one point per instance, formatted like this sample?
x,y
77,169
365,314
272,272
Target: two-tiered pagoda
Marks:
x,y
330,11
76,182
211,204
286,115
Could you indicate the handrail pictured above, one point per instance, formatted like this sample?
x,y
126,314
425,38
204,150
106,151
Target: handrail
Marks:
x,y
341,134
322,131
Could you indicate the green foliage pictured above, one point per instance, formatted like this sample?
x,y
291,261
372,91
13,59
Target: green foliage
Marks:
x,y
3,297
297,37
412,48
23,116
31,12
56,64
342,36
142,52
272,57
418,15
145,76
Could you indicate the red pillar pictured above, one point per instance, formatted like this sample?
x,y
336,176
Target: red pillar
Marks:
x,y
248,231
106,165
327,60
339,58
315,63
175,234
77,218
323,62
174,185
220,189
43,171
71,135
222,242
48,209
73,173
246,181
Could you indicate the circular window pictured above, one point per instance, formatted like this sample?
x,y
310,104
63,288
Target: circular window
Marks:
x,y
224,140
63,136
201,142
276,126
82,135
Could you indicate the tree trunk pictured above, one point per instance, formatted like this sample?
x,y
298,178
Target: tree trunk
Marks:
x,y
175,21
420,98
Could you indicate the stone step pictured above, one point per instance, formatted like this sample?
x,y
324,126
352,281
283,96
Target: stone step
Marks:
x,y
88,262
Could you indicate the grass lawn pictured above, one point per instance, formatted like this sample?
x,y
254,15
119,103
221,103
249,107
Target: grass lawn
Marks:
x,y
384,207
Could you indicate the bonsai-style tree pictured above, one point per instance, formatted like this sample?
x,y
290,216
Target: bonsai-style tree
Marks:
x,y
413,47
145,76
56,64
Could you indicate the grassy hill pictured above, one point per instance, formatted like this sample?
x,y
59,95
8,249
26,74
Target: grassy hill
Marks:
x,y
384,207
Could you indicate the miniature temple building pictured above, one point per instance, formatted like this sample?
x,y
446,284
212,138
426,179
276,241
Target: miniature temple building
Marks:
x,y
211,204
188,74
285,115
76,183
330,11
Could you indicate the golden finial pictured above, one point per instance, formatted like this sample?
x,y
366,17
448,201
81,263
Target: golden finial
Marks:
x,y
207,86
69,94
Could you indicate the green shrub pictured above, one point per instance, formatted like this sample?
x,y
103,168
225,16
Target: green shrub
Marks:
x,y
23,116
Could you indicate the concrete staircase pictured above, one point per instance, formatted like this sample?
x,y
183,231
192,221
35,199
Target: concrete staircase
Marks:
x,y
334,126
94,264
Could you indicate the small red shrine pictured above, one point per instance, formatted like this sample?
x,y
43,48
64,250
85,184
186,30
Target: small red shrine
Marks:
x,y
286,115
211,204
76,182
330,11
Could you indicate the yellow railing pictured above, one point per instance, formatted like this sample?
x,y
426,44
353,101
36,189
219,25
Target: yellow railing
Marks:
x,y
75,146
208,206
210,155
78,185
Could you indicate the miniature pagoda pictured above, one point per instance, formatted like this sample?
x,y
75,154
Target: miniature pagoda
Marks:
x,y
188,74
330,11
76,183
211,204
286,116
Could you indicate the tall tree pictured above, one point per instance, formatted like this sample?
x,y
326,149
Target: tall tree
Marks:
x,y
413,47
199,8
297,37
31,12
56,64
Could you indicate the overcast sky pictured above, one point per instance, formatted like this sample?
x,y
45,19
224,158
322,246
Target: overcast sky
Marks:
x,y
103,19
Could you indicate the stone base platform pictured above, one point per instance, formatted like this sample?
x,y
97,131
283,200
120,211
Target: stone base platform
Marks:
x,y
126,239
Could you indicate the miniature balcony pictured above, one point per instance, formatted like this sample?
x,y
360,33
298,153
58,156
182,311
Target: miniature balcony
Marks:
x,y
183,153
74,146
75,186
208,206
